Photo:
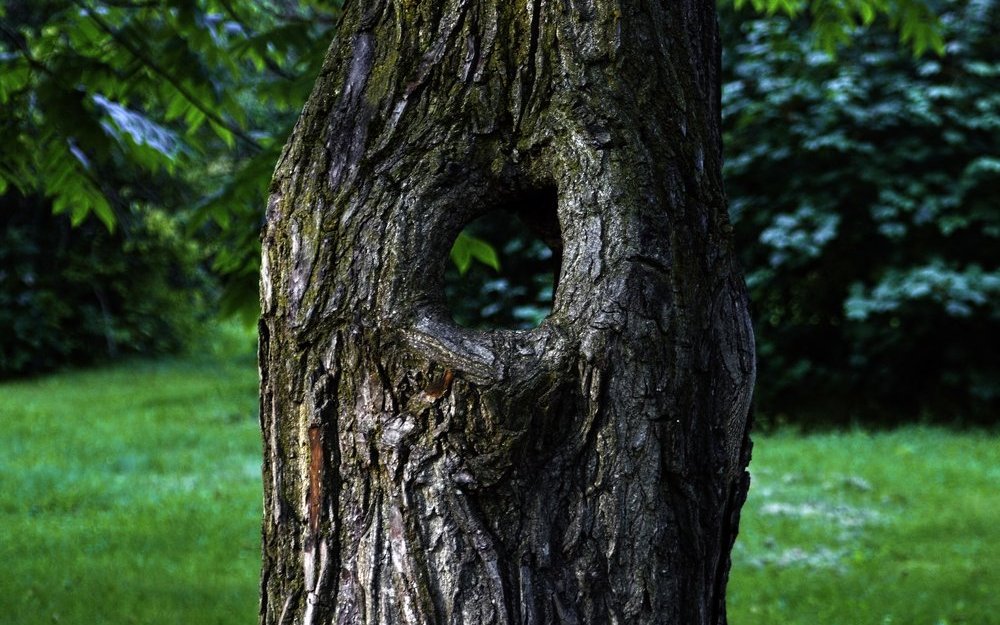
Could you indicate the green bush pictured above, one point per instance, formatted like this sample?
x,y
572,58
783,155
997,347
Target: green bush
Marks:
x,y
864,193
78,295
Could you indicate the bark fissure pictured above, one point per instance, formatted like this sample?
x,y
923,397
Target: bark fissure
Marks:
x,y
588,471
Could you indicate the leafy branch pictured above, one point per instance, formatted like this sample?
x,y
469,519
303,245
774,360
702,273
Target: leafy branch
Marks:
x,y
177,84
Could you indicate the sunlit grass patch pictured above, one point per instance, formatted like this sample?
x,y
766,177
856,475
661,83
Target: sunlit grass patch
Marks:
x,y
895,527
131,494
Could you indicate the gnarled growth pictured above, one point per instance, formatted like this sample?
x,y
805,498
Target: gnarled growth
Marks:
x,y
588,471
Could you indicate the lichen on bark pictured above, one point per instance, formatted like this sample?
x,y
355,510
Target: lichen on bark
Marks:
x,y
588,471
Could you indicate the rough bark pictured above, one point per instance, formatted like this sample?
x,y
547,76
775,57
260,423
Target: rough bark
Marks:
x,y
587,471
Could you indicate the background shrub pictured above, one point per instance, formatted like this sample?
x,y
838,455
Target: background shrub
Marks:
x,y
864,192
76,295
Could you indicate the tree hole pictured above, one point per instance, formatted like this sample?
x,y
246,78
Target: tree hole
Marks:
x,y
504,266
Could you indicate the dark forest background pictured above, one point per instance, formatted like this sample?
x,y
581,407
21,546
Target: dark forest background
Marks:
x,y
862,167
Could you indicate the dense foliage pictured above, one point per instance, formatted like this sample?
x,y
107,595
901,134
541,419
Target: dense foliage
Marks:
x,y
153,126
102,100
79,295
861,183
864,191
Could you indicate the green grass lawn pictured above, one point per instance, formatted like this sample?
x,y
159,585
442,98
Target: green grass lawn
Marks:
x,y
131,494
899,528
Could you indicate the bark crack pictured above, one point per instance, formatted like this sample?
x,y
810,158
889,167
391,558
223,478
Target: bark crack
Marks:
x,y
532,61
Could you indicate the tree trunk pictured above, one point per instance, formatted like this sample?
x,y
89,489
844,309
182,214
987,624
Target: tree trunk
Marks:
x,y
588,471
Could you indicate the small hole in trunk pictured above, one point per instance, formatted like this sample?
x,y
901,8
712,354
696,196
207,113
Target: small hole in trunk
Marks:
x,y
504,265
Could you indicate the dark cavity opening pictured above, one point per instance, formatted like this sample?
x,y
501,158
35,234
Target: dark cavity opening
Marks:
x,y
505,264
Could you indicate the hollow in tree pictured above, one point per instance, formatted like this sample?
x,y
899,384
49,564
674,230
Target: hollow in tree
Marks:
x,y
590,470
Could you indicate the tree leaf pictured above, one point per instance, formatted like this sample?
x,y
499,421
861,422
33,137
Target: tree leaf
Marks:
x,y
468,248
